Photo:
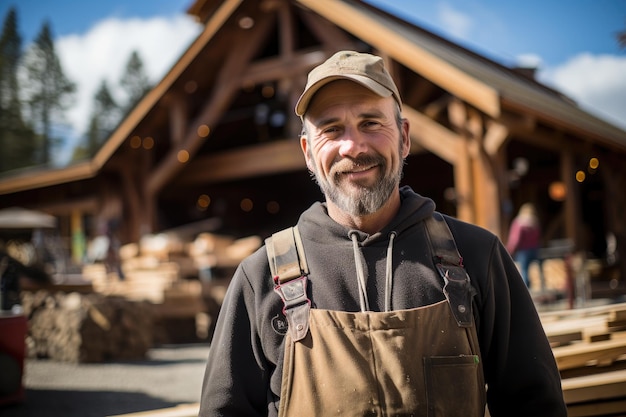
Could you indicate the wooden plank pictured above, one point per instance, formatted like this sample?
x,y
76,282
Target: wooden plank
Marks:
x,y
609,408
584,354
618,314
575,325
564,338
592,336
602,386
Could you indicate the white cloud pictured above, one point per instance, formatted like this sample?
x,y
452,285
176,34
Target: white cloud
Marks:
x,y
102,54
454,21
528,61
596,82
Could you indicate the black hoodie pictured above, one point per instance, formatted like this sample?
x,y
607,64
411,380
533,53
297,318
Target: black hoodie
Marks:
x,y
244,369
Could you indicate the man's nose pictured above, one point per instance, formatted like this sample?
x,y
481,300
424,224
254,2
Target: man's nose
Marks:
x,y
353,143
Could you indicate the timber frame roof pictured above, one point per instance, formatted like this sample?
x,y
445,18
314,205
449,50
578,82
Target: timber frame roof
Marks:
x,y
497,91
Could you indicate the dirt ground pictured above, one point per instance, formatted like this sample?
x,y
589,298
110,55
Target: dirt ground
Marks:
x,y
170,375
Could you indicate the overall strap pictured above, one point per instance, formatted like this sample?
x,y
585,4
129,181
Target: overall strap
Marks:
x,y
289,269
457,287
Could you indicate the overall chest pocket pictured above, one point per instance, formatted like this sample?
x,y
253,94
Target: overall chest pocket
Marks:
x,y
454,386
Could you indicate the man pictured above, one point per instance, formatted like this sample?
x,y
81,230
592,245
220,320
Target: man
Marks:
x,y
379,318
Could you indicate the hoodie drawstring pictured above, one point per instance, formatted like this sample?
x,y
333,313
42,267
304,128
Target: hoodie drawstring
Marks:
x,y
359,273
389,272
361,276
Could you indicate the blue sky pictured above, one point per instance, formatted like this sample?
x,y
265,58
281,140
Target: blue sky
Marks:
x,y
551,29
572,43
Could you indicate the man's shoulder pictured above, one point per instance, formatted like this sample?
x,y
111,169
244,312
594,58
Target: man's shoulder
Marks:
x,y
468,232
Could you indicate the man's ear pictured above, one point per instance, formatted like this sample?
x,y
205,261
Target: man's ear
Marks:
x,y
304,145
406,138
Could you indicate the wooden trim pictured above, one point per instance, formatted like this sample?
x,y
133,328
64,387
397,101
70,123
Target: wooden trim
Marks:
x,y
412,56
40,179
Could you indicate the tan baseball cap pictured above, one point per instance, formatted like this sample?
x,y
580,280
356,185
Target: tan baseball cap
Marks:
x,y
365,69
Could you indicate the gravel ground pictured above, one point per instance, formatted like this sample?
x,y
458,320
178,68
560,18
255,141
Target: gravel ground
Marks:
x,y
169,376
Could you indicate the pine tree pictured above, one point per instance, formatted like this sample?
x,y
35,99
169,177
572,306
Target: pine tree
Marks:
x,y
48,91
134,81
16,140
621,38
104,118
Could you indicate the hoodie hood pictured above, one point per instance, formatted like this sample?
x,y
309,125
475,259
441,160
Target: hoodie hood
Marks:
x,y
365,264
324,229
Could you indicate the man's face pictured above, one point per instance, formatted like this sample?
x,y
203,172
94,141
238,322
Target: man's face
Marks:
x,y
355,147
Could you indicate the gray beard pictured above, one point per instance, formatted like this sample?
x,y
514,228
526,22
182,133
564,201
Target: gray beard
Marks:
x,y
365,200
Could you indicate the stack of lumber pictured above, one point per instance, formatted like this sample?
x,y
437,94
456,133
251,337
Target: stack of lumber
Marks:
x,y
216,250
589,346
183,280
142,281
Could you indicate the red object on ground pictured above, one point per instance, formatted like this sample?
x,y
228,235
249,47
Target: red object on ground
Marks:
x,y
13,328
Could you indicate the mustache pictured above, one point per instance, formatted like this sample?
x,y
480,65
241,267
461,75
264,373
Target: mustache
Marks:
x,y
349,164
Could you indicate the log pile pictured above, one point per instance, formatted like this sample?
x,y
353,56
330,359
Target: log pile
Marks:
x,y
589,346
83,328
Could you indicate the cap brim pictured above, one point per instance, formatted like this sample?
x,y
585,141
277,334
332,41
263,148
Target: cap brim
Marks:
x,y
305,98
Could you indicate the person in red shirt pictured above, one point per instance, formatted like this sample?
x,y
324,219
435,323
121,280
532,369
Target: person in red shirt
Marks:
x,y
525,239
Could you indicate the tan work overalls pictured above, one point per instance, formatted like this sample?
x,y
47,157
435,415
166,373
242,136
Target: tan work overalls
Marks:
x,y
418,362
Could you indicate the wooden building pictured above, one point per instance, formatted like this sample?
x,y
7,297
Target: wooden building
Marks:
x,y
215,144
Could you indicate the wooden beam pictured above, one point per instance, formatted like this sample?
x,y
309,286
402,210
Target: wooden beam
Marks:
x,y
226,85
485,184
281,67
572,201
495,137
178,118
463,172
270,158
286,27
408,53
431,135
501,173
463,184
329,34
518,122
